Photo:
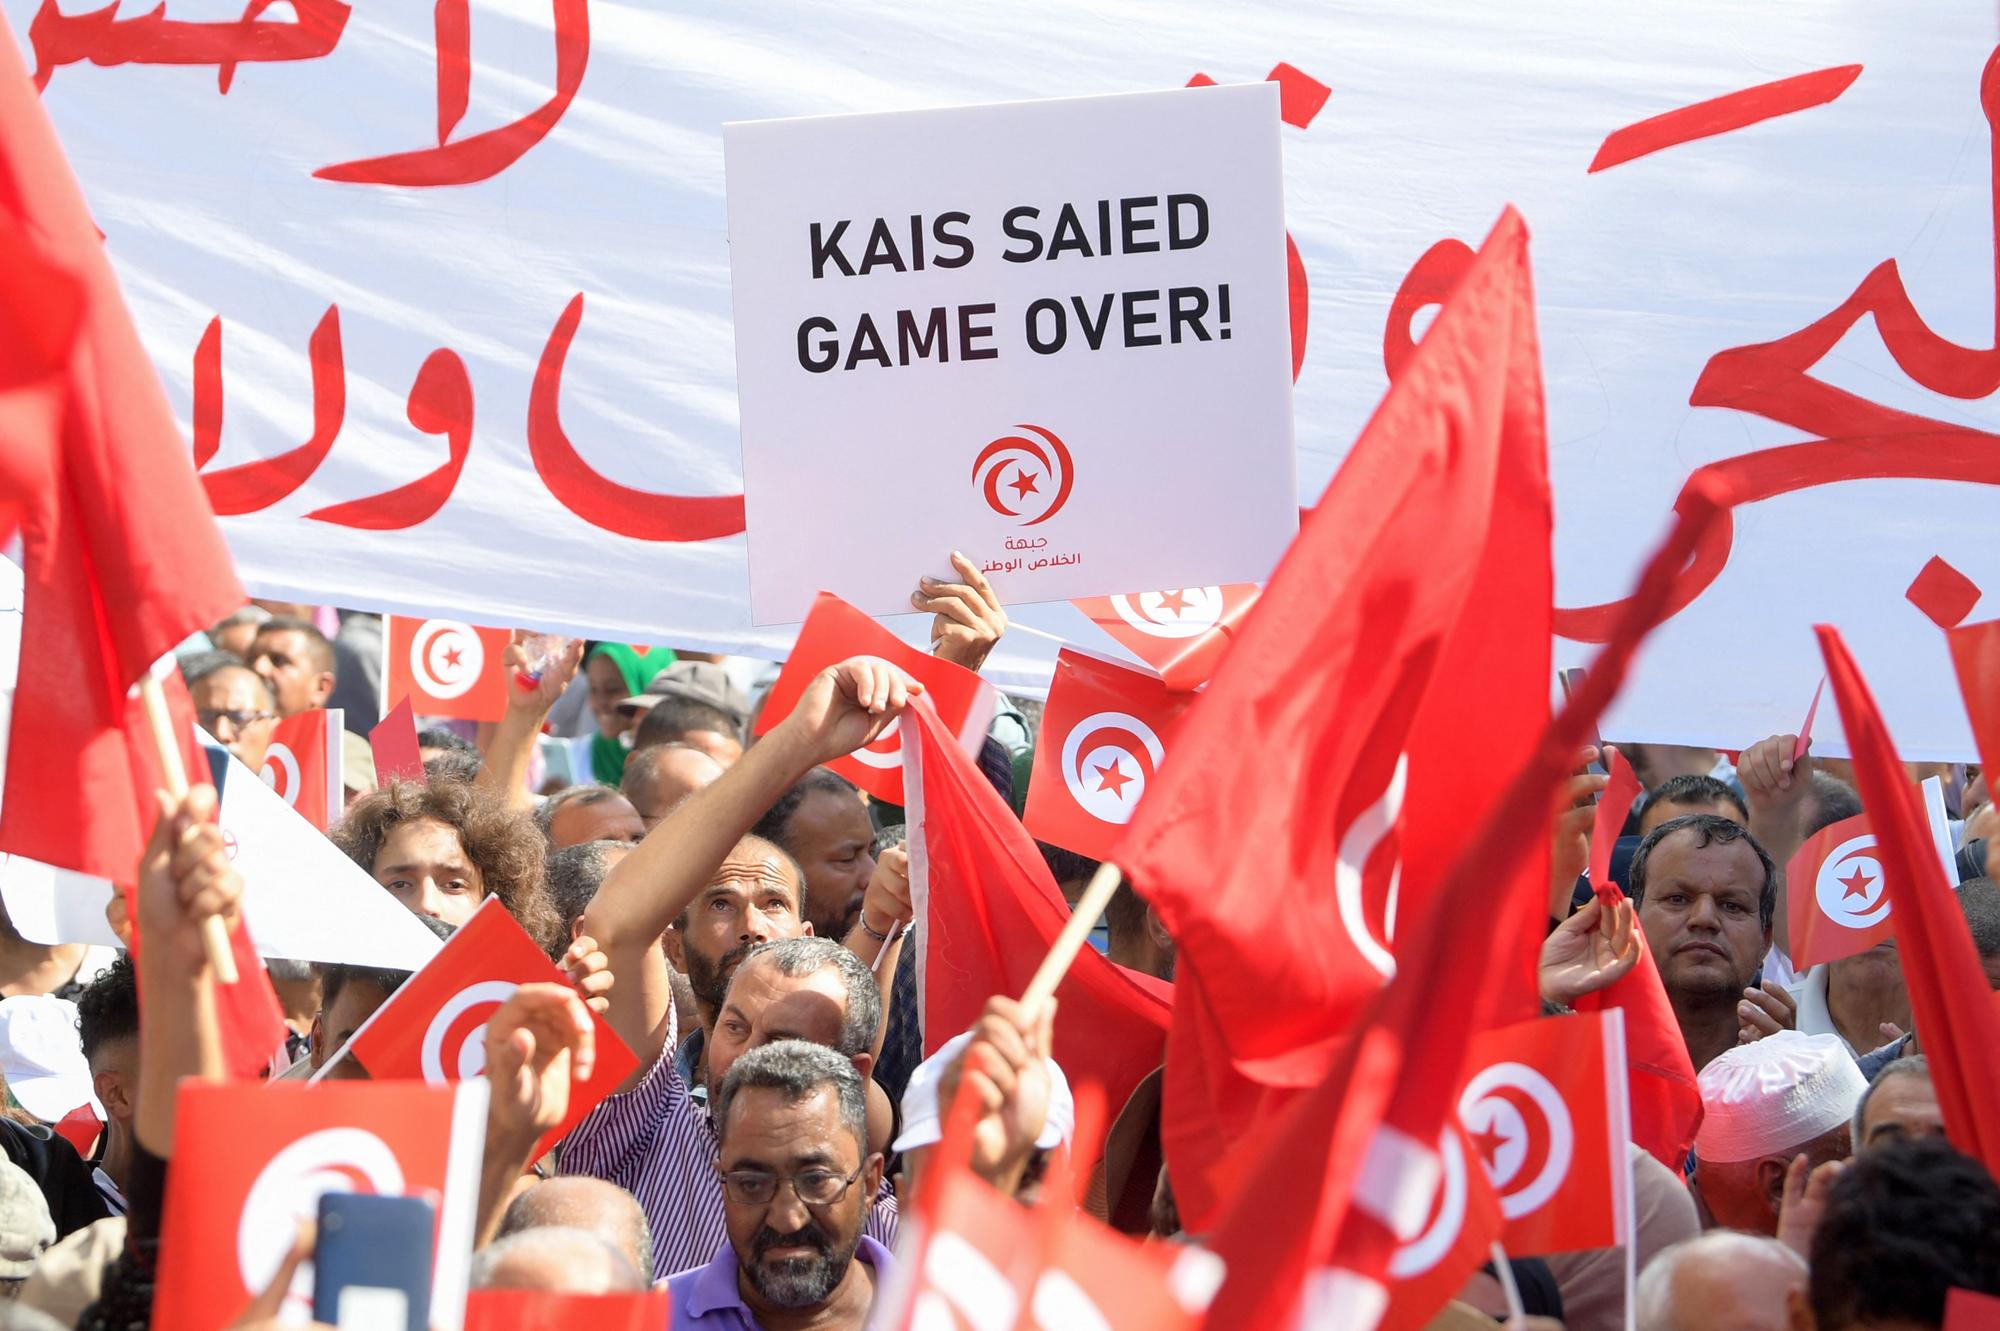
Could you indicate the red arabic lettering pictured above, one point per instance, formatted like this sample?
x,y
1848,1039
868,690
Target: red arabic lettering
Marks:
x,y
440,402
492,151
639,514
104,39
1300,98
251,486
1859,439
1428,282
1720,115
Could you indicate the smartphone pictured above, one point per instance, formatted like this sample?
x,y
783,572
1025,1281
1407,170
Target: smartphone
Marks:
x,y
1572,680
372,1262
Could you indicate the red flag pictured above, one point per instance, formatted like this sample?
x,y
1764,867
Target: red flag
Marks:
x,y
433,1029
541,1310
1612,806
1666,1098
445,668
121,558
1412,610
302,763
1839,903
1093,1276
1969,1310
1950,1000
1103,736
835,631
251,1162
80,1128
1326,1207
1545,1110
393,741
1181,632
1975,652
987,912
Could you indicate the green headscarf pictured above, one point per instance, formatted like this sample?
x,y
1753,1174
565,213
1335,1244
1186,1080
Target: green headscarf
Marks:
x,y
639,665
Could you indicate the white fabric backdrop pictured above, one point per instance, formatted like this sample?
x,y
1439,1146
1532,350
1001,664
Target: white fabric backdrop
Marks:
x,y
1439,114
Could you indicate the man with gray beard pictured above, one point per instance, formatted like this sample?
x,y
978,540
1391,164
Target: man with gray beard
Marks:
x,y
797,1178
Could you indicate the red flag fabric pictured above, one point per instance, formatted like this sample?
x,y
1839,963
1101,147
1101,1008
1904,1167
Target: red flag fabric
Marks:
x,y
1413,610
1093,1276
1322,1211
80,1127
1181,632
433,1029
445,668
1666,1098
835,631
1975,652
1839,906
1455,1239
302,763
121,558
1969,1310
251,1162
1545,1111
1612,806
1950,1000
1104,733
393,741
541,1310
987,912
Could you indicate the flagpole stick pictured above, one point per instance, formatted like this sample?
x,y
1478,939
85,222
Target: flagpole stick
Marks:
x,y
214,934
1014,627
1505,1273
1071,940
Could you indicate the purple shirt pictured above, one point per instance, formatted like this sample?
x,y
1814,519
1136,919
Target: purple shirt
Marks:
x,y
658,1144
706,1298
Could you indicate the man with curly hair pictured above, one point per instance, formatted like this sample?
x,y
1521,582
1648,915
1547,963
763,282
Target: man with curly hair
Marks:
x,y
442,849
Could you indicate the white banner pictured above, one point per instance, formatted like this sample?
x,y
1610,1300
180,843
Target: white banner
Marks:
x,y
1022,328
469,297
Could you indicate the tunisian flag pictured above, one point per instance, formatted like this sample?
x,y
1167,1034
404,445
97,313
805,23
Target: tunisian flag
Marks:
x,y
1319,784
251,1162
1181,632
1103,736
121,557
1975,653
302,764
434,1028
835,631
1950,1000
445,668
1840,903
986,913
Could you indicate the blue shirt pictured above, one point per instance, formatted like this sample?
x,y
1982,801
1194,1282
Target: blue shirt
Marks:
x,y
706,1298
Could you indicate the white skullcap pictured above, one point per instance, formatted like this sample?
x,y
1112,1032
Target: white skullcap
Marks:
x,y
922,1124
1775,1095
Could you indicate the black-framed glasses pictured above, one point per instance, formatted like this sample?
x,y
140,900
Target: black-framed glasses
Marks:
x,y
209,716
815,1187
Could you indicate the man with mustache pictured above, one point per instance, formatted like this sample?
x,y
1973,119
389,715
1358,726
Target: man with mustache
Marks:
x,y
1705,892
700,890
796,1177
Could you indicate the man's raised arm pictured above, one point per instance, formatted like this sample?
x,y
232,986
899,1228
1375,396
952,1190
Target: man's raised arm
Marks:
x,y
845,707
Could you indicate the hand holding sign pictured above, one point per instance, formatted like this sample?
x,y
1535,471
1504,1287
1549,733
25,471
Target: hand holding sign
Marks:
x,y
969,618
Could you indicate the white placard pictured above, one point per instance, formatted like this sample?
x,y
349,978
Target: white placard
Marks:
x,y
1052,335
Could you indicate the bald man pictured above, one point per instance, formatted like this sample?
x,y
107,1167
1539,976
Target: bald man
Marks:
x,y
561,1261
1720,1280
658,778
590,1204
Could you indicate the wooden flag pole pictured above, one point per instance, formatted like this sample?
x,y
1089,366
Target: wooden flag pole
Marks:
x,y
1089,907
214,933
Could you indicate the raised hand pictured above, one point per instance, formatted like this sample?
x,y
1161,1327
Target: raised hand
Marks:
x,y
588,970
1765,1011
184,877
847,706
1591,950
1006,1066
969,618
536,1042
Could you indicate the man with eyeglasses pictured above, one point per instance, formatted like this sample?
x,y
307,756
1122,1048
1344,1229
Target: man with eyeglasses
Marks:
x,y
797,1176
233,703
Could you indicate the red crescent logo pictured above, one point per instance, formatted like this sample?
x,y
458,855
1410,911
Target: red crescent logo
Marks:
x,y
1039,478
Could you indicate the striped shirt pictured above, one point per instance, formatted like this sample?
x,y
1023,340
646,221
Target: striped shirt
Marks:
x,y
655,1142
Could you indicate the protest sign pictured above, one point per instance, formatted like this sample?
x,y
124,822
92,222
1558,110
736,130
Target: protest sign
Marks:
x,y
316,288
252,1161
1017,327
